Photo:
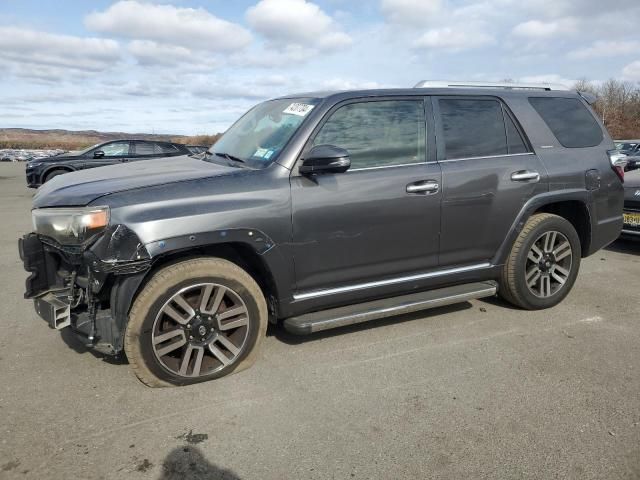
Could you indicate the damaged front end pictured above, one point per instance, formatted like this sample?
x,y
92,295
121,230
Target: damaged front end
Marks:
x,y
83,274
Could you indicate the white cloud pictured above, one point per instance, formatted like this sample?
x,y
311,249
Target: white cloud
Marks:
x,y
454,39
183,27
549,78
148,52
536,29
631,71
296,23
346,84
24,47
410,12
604,48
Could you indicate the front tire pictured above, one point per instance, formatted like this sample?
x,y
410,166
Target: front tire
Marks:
x,y
543,263
194,321
53,174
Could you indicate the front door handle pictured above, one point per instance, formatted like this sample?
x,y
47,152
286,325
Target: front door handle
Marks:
x,y
525,176
426,186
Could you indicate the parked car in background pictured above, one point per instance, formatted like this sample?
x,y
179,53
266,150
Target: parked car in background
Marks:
x,y
41,170
628,145
631,226
631,148
196,149
26,154
323,210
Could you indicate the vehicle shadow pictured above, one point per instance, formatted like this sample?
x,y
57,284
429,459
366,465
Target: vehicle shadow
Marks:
x,y
189,463
281,334
498,301
74,343
625,245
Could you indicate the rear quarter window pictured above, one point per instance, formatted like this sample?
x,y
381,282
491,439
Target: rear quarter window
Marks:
x,y
569,120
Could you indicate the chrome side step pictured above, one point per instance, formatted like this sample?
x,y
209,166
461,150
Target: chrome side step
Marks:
x,y
387,307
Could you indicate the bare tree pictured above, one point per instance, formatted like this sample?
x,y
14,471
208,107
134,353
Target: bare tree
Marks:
x,y
618,106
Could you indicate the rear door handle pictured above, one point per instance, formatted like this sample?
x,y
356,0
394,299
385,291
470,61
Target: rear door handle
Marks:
x,y
425,186
525,176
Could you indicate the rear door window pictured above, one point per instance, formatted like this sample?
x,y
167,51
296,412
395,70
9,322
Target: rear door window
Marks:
x,y
569,120
472,127
165,149
144,148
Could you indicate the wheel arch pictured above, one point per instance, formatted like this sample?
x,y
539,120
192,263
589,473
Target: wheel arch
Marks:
x,y
239,253
125,289
48,170
573,205
577,213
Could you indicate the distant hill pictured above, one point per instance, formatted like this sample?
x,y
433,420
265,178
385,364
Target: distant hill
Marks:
x,y
73,140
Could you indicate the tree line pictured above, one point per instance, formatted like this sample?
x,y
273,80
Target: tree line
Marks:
x,y
617,105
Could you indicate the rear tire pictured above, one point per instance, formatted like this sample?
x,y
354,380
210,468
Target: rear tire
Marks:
x,y
543,263
194,321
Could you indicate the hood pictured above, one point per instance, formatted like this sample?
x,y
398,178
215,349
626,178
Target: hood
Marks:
x,y
59,157
82,187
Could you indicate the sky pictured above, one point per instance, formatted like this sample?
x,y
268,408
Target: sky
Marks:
x,y
194,66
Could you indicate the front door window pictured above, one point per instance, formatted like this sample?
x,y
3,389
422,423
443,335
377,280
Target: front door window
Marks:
x,y
116,149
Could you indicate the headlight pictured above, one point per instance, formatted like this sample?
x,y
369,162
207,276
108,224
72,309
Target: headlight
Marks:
x,y
33,164
70,226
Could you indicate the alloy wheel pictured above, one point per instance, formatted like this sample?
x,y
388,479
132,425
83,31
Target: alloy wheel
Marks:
x,y
200,330
548,264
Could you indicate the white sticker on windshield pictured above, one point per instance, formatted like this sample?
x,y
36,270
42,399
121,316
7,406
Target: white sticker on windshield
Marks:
x,y
268,154
300,109
260,152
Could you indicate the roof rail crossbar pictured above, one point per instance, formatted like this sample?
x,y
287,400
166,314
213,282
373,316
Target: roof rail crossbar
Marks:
x,y
505,85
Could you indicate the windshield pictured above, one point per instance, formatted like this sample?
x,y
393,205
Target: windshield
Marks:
x,y
261,134
625,146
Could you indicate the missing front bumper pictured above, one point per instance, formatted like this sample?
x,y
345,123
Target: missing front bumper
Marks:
x,y
55,309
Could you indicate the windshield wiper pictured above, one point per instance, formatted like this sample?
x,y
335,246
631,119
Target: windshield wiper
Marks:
x,y
229,157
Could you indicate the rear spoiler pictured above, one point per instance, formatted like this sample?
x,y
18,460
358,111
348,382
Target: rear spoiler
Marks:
x,y
590,98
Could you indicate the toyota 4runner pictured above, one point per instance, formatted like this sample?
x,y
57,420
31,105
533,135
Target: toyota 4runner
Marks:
x,y
323,210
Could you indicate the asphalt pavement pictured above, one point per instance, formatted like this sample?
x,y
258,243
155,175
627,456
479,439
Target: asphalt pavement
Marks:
x,y
476,390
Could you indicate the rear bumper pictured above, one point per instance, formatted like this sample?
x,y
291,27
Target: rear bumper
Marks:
x,y
628,229
604,232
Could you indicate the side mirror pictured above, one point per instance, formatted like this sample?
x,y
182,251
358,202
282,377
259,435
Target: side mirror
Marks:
x,y
98,154
325,159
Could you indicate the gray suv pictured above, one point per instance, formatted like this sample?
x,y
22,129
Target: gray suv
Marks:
x,y
322,210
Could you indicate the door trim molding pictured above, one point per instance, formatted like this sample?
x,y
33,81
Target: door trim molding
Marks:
x,y
390,281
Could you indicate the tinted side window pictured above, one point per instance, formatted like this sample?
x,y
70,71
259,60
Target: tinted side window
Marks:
x,y
165,148
472,128
378,133
569,120
117,149
144,148
514,139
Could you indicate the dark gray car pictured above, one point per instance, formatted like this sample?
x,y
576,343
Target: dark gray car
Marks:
x,y
322,210
631,228
41,170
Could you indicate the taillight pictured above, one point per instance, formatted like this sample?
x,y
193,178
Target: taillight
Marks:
x,y
618,162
